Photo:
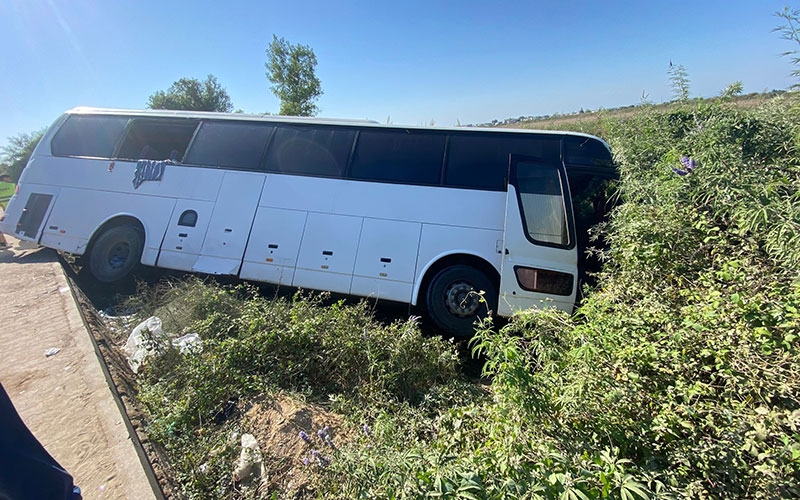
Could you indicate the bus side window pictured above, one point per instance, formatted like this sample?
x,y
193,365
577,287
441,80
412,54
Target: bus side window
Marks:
x,y
230,144
89,136
161,139
481,161
404,156
188,219
303,150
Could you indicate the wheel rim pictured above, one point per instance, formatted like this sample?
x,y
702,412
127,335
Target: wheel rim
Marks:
x,y
461,300
119,255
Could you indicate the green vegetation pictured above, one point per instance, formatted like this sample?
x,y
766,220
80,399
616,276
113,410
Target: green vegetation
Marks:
x,y
790,30
677,376
679,81
193,95
15,155
291,69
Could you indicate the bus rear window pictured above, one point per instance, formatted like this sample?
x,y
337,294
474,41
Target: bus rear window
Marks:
x,y
163,139
230,144
404,156
91,136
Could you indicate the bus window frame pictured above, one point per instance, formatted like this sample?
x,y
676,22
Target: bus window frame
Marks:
x,y
514,161
114,150
271,143
260,165
168,122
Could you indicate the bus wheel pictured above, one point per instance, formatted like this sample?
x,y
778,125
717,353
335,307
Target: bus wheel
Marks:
x,y
454,302
115,253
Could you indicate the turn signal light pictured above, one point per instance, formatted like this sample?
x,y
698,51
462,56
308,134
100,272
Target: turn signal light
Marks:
x,y
544,281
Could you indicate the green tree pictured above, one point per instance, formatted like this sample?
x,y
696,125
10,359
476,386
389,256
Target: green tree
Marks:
x,y
192,94
290,68
679,81
790,30
14,155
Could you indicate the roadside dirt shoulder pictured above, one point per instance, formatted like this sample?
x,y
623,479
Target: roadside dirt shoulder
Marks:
x,y
64,398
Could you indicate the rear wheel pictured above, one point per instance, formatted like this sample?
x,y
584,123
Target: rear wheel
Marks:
x,y
454,301
115,253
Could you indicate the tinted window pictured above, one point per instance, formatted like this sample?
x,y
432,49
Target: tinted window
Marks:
x,y
586,151
152,139
188,218
481,161
94,136
398,156
230,144
541,196
310,150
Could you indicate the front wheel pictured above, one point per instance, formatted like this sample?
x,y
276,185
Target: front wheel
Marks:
x,y
454,300
115,253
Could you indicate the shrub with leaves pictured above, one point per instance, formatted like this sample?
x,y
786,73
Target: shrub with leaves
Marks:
x,y
685,358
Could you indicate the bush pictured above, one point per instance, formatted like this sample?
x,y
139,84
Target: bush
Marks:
x,y
254,345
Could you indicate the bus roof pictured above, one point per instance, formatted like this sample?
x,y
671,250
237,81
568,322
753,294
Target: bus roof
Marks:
x,y
165,113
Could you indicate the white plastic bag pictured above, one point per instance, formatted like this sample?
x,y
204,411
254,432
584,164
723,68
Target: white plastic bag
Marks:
x,y
146,339
250,460
188,344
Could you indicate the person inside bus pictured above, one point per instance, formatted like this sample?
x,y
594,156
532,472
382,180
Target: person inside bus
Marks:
x,y
7,188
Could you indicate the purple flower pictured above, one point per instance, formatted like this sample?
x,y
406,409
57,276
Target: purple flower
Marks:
x,y
366,429
688,163
321,459
304,437
679,171
306,461
323,433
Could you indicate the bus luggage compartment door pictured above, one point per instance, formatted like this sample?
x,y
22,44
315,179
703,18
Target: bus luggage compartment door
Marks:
x,y
183,240
229,227
271,254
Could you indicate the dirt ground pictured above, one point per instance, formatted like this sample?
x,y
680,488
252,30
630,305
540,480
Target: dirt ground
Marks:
x,y
64,399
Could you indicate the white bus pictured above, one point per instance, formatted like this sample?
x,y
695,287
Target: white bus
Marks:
x,y
419,215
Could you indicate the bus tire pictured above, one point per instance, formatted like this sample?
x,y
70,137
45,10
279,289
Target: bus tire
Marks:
x,y
115,253
453,301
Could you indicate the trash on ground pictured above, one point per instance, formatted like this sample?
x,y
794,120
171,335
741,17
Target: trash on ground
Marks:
x,y
189,343
145,340
148,338
250,462
51,352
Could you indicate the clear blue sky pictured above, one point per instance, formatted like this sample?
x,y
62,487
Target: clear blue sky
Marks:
x,y
413,61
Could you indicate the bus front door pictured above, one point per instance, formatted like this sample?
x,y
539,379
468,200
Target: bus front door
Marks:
x,y
539,265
